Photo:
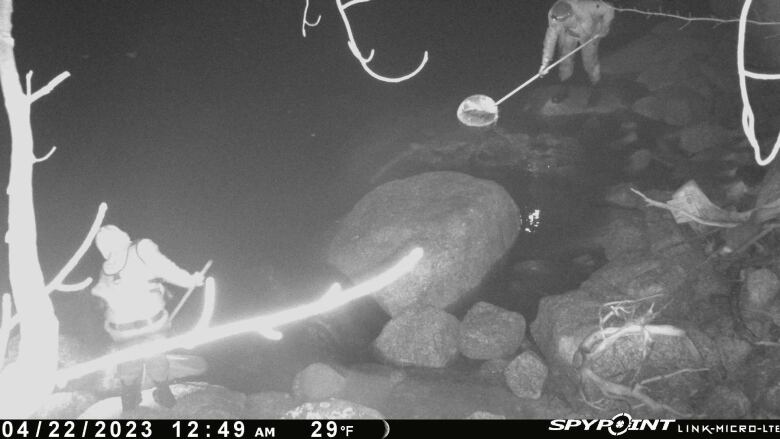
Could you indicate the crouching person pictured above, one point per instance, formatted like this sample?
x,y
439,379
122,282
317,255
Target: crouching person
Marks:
x,y
131,285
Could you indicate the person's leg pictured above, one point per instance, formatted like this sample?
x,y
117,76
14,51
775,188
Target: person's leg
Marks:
x,y
157,368
590,61
130,375
566,44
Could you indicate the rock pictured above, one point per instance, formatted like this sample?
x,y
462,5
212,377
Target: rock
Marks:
x,y
652,50
662,75
193,401
371,384
676,106
637,277
561,324
726,402
492,371
493,154
268,405
464,224
526,375
762,286
65,405
639,161
620,195
761,378
624,233
179,366
317,382
332,409
488,332
425,337
207,401
485,415
663,353
704,135
577,102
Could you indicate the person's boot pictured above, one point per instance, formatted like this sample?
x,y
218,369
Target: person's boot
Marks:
x,y
162,394
561,95
595,96
131,395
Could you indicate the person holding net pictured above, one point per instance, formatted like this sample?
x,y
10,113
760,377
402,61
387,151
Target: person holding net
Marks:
x,y
570,24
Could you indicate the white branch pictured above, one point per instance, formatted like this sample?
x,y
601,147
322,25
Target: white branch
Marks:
x,y
365,60
71,288
748,118
306,21
9,322
325,304
48,87
690,19
46,157
56,283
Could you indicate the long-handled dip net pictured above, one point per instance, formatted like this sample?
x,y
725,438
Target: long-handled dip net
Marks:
x,y
481,111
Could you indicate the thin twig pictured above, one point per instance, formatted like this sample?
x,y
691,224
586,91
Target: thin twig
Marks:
x,y
364,60
49,87
46,157
65,271
306,21
690,19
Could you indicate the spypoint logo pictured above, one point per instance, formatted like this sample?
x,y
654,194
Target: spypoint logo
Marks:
x,y
619,424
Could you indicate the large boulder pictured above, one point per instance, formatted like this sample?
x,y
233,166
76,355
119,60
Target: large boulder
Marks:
x,y
464,224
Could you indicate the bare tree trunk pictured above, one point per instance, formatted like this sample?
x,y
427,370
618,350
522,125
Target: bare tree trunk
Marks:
x,y
25,383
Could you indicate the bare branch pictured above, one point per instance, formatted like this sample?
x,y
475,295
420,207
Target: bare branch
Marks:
x,y
306,21
365,60
72,288
56,283
748,118
46,157
48,87
691,19
267,322
9,322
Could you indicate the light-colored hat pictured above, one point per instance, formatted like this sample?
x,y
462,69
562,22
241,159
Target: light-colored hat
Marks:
x,y
561,10
112,242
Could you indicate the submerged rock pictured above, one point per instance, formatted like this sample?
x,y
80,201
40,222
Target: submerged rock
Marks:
x,y
268,405
317,382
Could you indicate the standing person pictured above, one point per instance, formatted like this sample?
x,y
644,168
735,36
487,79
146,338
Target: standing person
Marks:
x,y
571,23
131,285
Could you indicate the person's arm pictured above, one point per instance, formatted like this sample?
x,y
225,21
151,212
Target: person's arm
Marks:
x,y
602,14
166,269
548,49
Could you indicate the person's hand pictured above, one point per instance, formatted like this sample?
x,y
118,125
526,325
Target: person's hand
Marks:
x,y
197,279
543,70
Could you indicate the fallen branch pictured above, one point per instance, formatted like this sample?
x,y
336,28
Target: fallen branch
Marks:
x,y
264,323
685,213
